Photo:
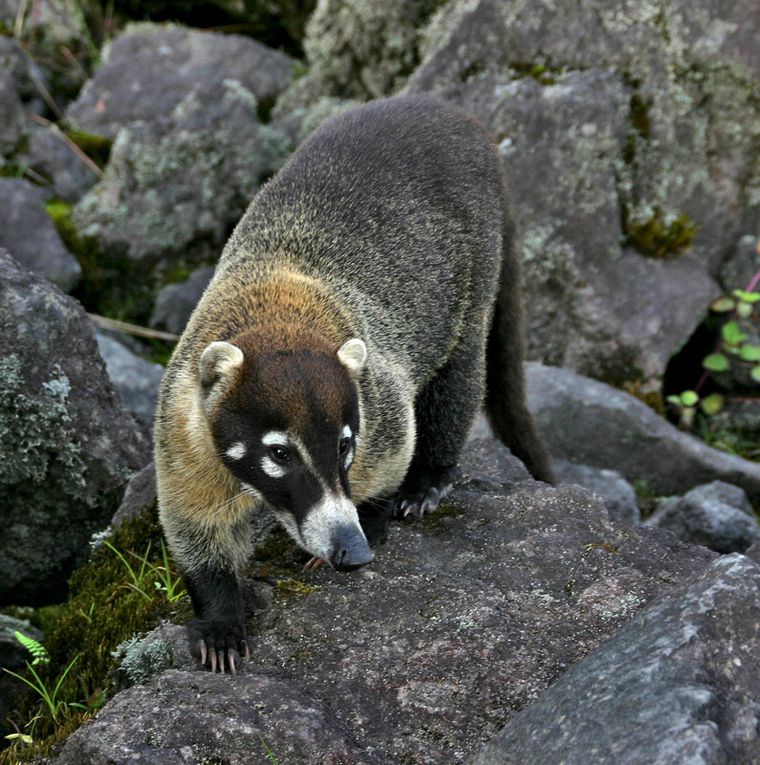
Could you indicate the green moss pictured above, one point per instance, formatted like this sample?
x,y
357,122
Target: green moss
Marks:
x,y
436,520
102,611
288,589
661,236
96,147
539,72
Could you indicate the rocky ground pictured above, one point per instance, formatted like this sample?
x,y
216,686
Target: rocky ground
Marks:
x,y
615,623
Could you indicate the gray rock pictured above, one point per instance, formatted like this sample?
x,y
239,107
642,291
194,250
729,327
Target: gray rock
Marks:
x,y
677,684
139,496
594,424
136,379
12,117
172,192
717,515
175,302
418,658
739,268
623,120
618,495
51,157
66,445
151,70
28,233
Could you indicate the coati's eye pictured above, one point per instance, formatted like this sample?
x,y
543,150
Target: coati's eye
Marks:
x,y
279,454
343,446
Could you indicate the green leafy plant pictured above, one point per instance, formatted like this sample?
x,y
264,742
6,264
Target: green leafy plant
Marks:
x,y
55,708
735,356
147,578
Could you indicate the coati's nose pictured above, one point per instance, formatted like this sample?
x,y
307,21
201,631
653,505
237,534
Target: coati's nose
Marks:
x,y
350,550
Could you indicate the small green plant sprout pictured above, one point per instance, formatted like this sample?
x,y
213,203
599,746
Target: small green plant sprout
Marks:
x,y
50,702
268,753
147,578
685,405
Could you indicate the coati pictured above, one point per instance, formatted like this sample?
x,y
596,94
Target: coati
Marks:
x,y
365,306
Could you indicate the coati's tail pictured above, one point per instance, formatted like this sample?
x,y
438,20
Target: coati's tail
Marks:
x,y
505,380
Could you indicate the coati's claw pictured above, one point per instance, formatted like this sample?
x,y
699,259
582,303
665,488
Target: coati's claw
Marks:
x,y
313,563
418,504
216,645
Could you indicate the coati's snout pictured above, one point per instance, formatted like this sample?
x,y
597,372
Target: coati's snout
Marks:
x,y
350,550
286,424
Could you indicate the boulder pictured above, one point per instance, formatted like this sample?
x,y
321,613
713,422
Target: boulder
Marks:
x,y
631,158
589,422
461,620
151,70
66,445
618,495
52,158
716,515
175,302
135,378
28,233
171,198
677,684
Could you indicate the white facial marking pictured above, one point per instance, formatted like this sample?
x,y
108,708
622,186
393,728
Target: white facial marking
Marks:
x,y
332,511
236,451
348,457
275,437
271,468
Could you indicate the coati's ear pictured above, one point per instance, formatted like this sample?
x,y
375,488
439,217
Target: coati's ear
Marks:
x,y
218,360
353,355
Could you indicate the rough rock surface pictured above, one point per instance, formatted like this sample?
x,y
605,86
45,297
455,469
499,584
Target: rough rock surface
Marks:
x,y
151,70
135,378
716,515
618,495
66,445
28,233
175,302
621,124
178,181
677,684
586,421
461,620
175,196
52,158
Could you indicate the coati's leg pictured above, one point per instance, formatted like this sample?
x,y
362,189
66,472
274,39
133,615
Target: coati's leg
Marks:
x,y
444,410
209,557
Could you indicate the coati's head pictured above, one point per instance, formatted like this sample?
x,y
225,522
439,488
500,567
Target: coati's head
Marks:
x,y
285,422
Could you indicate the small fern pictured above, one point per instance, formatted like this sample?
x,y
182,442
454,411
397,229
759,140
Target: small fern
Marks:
x,y
37,650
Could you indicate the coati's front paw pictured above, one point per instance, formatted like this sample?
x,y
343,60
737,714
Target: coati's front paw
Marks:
x,y
218,645
421,493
